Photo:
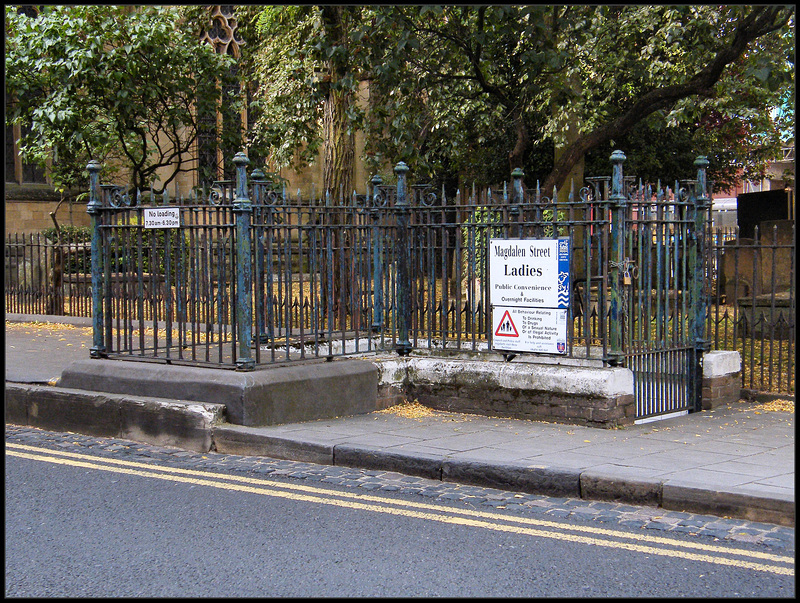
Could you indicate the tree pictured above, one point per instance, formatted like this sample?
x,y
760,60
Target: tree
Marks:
x,y
455,82
532,71
120,84
308,74
306,64
683,62
478,90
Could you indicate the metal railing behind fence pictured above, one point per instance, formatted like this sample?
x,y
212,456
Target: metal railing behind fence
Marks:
x,y
754,305
47,276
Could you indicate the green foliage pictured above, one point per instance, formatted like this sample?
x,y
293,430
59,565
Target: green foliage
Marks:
x,y
115,83
77,255
473,90
289,100
549,229
482,224
69,234
654,47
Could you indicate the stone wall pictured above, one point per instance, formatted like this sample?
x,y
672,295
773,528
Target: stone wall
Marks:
x,y
722,378
573,394
594,396
741,259
28,209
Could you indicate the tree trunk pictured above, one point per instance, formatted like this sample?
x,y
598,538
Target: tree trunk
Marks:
x,y
338,170
517,155
55,305
338,164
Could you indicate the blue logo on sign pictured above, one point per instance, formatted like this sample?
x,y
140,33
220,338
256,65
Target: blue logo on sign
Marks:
x,y
563,248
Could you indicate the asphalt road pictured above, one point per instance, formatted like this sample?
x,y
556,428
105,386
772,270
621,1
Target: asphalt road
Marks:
x,y
93,517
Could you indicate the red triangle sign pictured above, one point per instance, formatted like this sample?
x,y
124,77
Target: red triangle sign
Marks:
x,y
506,327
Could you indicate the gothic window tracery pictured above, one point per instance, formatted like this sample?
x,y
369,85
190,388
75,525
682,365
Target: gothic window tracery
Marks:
x,y
223,36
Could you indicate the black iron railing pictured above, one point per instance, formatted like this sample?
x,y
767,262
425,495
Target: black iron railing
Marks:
x,y
404,267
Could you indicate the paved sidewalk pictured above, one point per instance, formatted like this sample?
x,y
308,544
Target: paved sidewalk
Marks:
x,y
735,461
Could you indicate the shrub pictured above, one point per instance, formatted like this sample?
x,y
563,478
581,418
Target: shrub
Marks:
x,y
77,256
125,249
69,234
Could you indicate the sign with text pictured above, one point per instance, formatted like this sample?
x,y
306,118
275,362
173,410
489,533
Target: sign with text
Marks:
x,y
542,330
533,273
162,217
529,293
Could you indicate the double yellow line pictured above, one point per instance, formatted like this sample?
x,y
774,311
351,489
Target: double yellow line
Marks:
x,y
617,539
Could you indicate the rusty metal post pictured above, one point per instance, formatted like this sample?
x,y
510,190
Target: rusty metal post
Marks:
x,y
377,275
516,199
263,325
617,261
403,345
697,260
98,349
243,210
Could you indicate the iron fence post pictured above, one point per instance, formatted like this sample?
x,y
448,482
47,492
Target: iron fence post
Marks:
x,y
98,349
403,345
243,209
262,324
697,257
618,209
377,275
516,198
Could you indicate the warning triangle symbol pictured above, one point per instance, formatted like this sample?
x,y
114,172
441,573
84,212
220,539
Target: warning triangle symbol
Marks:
x,y
506,327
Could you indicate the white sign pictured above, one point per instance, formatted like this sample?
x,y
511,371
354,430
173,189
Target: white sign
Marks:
x,y
533,273
162,217
529,292
542,330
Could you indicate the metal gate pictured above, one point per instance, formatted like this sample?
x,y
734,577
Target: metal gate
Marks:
x,y
659,289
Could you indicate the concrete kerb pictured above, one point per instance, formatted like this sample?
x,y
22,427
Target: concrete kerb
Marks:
x,y
590,484
201,427
417,464
155,421
610,485
553,481
548,481
248,441
762,507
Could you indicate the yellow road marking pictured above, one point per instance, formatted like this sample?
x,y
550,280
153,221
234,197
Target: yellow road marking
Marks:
x,y
389,506
418,505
